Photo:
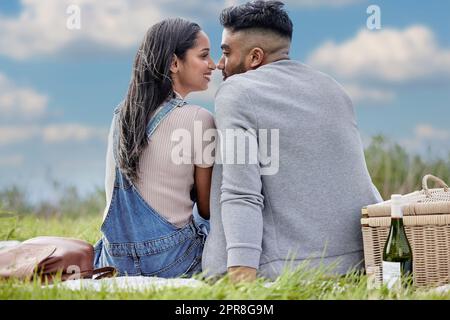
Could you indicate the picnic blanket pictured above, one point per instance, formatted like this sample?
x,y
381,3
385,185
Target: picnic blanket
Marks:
x,y
135,283
8,244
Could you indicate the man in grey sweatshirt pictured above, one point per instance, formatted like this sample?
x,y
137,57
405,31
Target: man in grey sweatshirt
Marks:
x,y
301,200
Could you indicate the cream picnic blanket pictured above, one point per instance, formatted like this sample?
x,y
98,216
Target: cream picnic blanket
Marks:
x,y
137,283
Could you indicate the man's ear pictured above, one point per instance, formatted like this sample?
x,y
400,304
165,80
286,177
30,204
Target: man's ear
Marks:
x,y
174,65
256,57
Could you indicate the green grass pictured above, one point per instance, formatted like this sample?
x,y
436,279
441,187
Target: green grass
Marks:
x,y
22,227
301,284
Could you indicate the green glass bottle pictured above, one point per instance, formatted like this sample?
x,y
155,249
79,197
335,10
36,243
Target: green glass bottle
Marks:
x,y
397,254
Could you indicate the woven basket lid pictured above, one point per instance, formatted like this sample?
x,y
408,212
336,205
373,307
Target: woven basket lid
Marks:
x,y
424,202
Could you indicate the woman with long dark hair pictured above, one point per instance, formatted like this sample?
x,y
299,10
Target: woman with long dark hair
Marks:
x,y
155,221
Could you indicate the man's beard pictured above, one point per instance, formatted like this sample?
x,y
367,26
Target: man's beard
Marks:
x,y
240,68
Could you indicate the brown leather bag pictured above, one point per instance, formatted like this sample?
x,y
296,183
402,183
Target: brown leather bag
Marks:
x,y
46,257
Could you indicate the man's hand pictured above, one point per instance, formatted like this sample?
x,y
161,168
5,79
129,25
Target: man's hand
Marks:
x,y
242,274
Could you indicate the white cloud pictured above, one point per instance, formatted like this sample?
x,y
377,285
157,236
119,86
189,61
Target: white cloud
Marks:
x,y
426,131
20,102
16,134
13,161
322,3
389,55
428,140
359,93
41,28
229,3
51,133
72,132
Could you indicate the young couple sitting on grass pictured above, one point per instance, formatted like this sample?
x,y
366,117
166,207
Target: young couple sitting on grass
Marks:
x,y
277,177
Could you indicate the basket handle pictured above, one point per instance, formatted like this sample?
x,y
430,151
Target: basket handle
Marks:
x,y
435,179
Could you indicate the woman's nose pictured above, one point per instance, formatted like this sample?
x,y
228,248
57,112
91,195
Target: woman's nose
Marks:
x,y
212,65
220,64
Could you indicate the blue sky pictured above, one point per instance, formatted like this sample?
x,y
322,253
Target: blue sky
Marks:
x,y
58,87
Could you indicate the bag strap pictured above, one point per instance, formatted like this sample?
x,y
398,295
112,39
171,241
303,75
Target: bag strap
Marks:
x,y
105,272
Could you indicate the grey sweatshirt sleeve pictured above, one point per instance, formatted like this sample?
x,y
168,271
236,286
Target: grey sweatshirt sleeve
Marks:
x,y
241,196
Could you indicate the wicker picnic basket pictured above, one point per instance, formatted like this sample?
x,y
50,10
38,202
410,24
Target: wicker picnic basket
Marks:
x,y
427,225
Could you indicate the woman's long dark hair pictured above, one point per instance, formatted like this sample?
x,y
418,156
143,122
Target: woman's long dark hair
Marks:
x,y
150,85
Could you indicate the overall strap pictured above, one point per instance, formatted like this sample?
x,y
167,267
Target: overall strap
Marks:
x,y
156,119
162,114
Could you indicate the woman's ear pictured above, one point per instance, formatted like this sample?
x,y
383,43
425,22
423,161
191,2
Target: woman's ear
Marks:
x,y
174,65
256,57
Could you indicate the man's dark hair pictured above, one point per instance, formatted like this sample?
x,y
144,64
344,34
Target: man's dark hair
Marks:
x,y
266,15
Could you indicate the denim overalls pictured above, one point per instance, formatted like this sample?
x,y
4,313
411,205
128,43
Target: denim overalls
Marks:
x,y
136,239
